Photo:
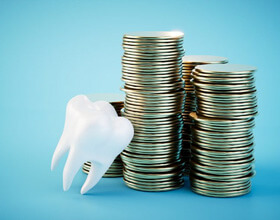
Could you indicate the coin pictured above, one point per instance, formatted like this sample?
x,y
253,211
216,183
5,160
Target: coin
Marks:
x,y
222,162
155,99
189,63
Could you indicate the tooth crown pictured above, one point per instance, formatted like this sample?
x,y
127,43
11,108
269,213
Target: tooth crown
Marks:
x,y
92,132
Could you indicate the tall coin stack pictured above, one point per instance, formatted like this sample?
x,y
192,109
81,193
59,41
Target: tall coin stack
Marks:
x,y
189,63
222,141
152,72
116,168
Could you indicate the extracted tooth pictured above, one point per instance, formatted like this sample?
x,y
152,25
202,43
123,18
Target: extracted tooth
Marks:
x,y
74,162
92,132
97,170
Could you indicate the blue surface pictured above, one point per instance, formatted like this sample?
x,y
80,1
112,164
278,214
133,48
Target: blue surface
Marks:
x,y
53,50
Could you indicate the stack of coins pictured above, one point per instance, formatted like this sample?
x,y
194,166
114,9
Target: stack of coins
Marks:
x,y
152,72
189,63
116,168
222,139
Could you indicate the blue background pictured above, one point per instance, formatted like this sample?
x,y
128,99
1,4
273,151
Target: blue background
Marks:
x,y
53,50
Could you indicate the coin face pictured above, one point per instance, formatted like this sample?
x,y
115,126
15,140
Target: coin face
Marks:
x,y
155,35
225,68
203,59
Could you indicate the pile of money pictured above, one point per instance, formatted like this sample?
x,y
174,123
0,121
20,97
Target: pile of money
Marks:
x,y
155,96
189,63
222,140
116,168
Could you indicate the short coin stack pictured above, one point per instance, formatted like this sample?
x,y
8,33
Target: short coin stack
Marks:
x,y
222,144
116,168
152,72
189,63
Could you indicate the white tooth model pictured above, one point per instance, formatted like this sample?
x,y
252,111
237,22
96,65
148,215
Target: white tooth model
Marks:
x,y
92,132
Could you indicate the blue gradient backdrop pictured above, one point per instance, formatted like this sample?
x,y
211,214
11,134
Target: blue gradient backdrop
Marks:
x,y
53,50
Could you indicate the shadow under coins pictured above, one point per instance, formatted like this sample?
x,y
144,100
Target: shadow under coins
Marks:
x,y
115,187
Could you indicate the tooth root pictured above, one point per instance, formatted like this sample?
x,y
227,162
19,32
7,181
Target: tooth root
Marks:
x,y
96,172
72,166
60,150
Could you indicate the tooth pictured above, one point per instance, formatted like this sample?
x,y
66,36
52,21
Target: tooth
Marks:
x,y
60,150
97,170
74,162
92,132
